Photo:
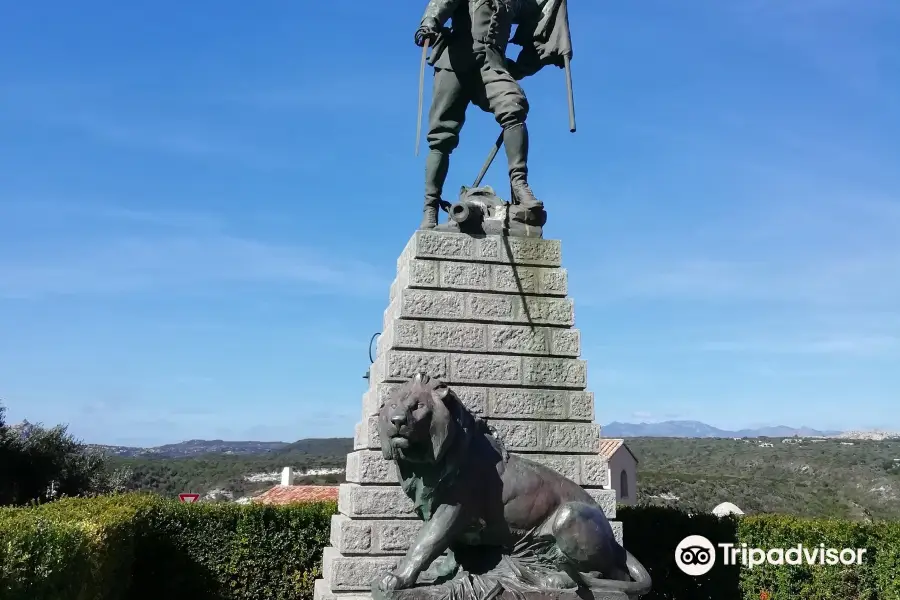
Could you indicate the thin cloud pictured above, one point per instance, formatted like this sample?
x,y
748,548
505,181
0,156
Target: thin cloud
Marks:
x,y
103,117
842,346
179,253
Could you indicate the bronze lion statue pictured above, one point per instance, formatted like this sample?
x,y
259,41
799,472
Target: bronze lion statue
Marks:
x,y
505,523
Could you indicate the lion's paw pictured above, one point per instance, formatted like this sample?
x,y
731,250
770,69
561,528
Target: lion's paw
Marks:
x,y
389,583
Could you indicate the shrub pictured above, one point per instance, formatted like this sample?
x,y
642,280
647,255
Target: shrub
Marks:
x,y
78,549
136,547
652,533
877,578
143,547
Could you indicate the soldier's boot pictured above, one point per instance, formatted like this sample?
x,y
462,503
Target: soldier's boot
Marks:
x,y
437,164
515,139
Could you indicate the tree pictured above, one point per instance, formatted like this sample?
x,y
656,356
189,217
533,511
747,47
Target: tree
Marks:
x,y
40,464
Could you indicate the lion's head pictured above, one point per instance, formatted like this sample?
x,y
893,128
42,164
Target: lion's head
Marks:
x,y
420,421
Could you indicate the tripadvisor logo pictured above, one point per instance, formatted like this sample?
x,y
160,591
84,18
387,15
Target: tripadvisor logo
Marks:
x,y
695,555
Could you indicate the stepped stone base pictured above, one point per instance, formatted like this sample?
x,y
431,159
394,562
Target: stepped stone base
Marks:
x,y
490,317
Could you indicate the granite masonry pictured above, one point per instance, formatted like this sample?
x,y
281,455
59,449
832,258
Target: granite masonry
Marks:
x,y
490,317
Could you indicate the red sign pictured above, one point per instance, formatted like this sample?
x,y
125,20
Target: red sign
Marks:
x,y
189,498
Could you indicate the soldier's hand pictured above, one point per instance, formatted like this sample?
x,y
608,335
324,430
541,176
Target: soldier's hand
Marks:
x,y
426,32
514,70
526,64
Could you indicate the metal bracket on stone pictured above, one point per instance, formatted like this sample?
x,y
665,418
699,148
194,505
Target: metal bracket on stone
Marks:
x,y
371,358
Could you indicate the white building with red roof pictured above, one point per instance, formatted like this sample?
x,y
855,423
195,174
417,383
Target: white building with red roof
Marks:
x,y
622,469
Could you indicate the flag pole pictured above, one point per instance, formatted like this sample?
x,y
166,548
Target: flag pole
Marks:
x,y
569,91
567,63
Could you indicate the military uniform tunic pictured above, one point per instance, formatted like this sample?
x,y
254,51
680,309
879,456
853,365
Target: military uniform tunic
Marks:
x,y
472,68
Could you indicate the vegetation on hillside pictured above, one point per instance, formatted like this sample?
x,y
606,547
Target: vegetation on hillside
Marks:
x,y
813,477
228,474
826,478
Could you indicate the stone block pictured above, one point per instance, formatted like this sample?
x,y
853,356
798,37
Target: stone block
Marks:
x,y
497,403
491,249
432,304
376,536
513,403
353,573
401,333
581,406
400,365
377,394
525,310
443,335
474,398
350,536
518,435
369,466
478,277
594,471
571,437
515,279
605,499
358,437
547,437
464,276
527,404
582,469
567,466
374,502
321,591
617,531
518,339
485,369
565,342
367,434
481,369
408,334
554,372
480,307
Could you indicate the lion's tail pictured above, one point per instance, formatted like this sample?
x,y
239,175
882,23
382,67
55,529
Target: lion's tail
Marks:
x,y
639,585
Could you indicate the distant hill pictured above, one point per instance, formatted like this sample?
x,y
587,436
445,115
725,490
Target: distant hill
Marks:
x,y
813,478
331,447
193,448
688,468
696,429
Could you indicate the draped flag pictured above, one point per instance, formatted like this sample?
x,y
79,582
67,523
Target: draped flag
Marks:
x,y
548,34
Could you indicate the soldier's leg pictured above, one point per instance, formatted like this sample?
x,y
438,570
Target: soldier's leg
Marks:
x,y
445,120
500,94
506,100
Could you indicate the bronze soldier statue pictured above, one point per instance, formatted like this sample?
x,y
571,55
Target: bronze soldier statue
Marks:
x,y
470,66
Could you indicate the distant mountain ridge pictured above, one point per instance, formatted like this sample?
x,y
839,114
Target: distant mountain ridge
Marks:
x,y
696,429
317,447
337,446
192,448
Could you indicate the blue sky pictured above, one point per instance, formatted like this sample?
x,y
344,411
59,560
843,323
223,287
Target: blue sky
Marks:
x,y
201,207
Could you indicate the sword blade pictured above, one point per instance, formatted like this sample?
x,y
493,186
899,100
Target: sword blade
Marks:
x,y
421,95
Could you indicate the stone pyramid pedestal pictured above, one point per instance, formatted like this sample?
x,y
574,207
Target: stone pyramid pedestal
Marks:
x,y
490,317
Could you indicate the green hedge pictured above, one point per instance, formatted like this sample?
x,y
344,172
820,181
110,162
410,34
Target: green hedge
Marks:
x,y
141,547
652,533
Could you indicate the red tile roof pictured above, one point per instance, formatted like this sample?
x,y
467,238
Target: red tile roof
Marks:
x,y
609,446
289,494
